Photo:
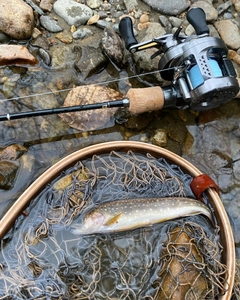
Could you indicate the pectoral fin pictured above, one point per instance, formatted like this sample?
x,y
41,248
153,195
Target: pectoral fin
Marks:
x,y
113,220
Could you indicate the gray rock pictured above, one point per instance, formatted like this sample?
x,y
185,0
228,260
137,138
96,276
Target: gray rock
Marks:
x,y
142,58
103,24
50,24
46,5
72,12
90,62
170,7
223,7
176,22
82,33
131,5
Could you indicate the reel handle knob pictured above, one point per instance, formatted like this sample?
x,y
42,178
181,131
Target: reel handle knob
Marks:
x,y
197,18
126,32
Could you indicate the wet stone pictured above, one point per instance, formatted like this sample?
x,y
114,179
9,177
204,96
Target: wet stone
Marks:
x,y
90,62
82,33
139,122
160,138
113,46
50,24
64,37
8,171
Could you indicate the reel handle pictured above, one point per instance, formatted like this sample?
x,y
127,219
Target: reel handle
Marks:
x,y
126,32
197,18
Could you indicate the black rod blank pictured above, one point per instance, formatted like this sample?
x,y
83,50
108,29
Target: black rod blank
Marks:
x,y
28,114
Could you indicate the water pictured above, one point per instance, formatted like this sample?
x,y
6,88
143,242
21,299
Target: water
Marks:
x,y
42,257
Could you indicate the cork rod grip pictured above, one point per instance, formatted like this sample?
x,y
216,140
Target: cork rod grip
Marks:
x,y
145,99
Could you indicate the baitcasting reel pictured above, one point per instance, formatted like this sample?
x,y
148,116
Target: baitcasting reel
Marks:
x,y
202,75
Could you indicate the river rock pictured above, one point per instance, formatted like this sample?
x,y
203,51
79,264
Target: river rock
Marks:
x,y
143,57
229,32
16,19
72,12
46,5
131,5
82,33
170,7
9,164
8,170
94,3
50,24
91,61
16,55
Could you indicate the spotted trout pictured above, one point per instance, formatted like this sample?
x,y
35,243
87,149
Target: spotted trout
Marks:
x,y
123,215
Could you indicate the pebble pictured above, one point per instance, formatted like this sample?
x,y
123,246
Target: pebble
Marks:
x,y
93,19
176,22
160,138
144,18
46,5
72,12
82,33
50,24
64,37
102,24
93,4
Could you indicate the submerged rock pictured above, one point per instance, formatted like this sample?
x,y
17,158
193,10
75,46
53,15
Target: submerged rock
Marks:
x,y
9,165
91,119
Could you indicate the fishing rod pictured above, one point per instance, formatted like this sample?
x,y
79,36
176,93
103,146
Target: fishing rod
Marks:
x,y
202,75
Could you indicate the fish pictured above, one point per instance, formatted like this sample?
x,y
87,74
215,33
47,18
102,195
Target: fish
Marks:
x,y
129,214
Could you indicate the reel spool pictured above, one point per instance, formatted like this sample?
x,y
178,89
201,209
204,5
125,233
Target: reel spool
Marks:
x,y
197,65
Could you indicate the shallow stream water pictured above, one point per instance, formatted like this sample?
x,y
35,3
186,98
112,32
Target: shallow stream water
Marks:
x,y
209,140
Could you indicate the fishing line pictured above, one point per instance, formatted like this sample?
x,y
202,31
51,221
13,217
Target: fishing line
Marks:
x,y
88,85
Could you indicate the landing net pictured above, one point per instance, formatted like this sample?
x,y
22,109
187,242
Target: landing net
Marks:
x,y
42,258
